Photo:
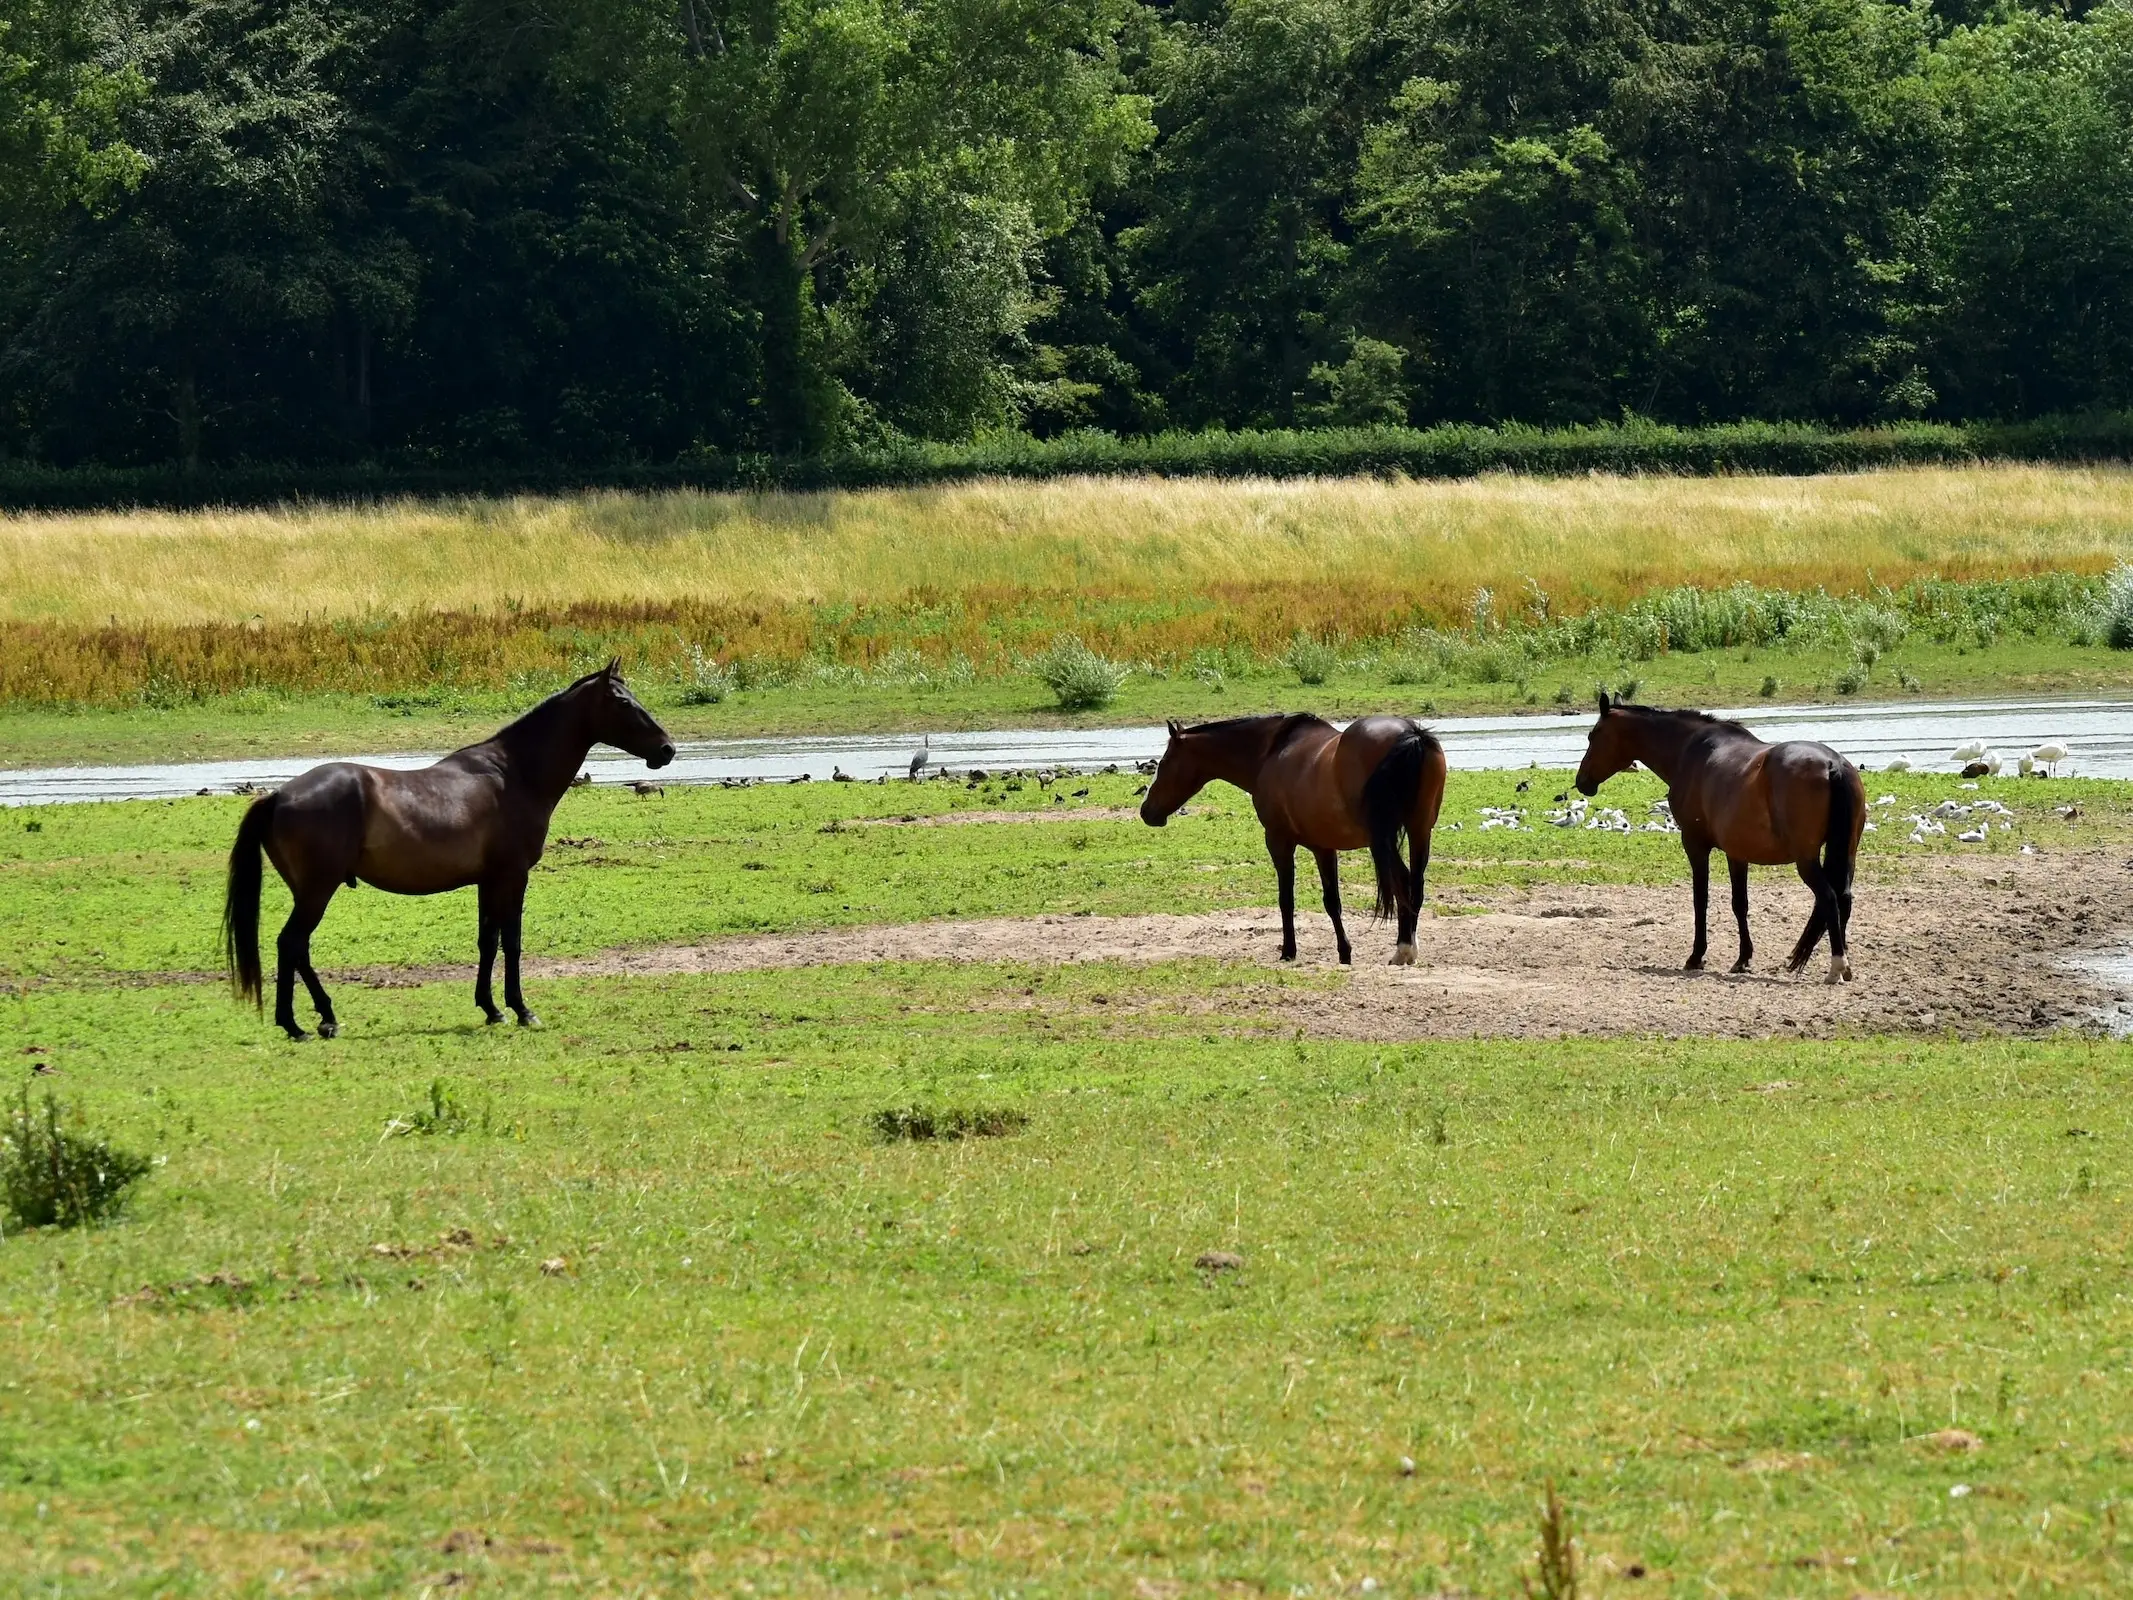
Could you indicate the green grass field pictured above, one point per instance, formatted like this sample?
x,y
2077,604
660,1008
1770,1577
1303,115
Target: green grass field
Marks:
x,y
656,1309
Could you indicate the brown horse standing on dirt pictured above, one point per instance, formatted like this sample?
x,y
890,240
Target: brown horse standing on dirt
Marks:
x,y
479,816
1325,789
1765,805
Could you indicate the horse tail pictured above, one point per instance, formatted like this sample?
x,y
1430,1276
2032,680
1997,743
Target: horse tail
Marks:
x,y
240,900
1388,801
1843,820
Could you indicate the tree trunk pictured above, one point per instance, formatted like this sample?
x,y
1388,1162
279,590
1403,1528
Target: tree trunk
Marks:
x,y
791,416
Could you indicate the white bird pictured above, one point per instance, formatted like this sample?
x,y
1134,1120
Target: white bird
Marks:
x,y
1900,764
1974,836
2025,765
922,757
2050,755
1969,750
1992,764
1886,800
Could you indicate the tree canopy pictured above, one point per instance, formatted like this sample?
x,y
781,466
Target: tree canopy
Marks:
x,y
608,231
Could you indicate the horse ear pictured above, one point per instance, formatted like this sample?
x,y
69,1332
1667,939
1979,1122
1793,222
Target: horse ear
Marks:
x,y
1172,725
1606,705
614,666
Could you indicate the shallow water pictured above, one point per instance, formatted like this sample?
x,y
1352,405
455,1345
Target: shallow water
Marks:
x,y
2098,732
2112,972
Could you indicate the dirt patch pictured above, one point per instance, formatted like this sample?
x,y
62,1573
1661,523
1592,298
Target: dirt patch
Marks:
x,y
1977,944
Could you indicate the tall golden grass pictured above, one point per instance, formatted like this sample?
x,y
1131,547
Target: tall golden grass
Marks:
x,y
121,609
1596,541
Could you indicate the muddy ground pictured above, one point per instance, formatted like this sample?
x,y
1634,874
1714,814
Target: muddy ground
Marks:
x,y
1971,944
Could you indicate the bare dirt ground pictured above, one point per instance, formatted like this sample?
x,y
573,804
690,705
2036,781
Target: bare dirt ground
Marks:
x,y
1974,944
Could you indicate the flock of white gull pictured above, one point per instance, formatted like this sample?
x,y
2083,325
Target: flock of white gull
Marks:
x,y
1977,819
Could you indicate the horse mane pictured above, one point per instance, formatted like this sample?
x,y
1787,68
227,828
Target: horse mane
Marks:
x,y
534,715
1292,723
1684,714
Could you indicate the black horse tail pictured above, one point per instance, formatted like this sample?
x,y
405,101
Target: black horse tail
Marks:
x,y
1388,801
1837,843
240,901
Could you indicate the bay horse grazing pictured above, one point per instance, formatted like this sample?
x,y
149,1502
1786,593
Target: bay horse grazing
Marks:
x,y
479,817
1327,790
1767,805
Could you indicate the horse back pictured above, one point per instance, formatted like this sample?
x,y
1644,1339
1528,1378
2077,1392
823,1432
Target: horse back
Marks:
x,y
1767,803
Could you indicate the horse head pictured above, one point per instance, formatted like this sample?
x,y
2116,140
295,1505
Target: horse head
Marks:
x,y
617,718
1178,778
1607,747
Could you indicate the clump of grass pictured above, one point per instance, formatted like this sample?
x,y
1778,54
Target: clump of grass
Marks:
x,y
1079,678
54,1174
1851,679
1556,1560
2116,623
952,1122
1312,660
708,683
1770,685
445,1114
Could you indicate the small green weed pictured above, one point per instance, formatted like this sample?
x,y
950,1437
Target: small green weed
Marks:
x,y
446,1113
55,1175
1556,1561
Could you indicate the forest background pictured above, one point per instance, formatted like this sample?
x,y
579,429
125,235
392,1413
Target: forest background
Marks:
x,y
448,232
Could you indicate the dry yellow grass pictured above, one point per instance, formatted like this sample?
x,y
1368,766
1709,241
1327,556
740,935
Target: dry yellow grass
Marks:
x,y
1585,541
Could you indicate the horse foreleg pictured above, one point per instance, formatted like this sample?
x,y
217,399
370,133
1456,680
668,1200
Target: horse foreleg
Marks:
x,y
1329,881
513,911
1284,853
491,931
1739,870
292,959
1700,888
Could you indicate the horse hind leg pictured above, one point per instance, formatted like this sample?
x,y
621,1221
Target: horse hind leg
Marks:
x,y
1818,923
292,952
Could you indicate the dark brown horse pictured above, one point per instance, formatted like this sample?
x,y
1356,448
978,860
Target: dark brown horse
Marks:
x,y
479,817
1326,789
1766,805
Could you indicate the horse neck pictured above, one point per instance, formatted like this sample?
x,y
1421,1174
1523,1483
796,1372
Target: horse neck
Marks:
x,y
547,745
1235,756
1658,743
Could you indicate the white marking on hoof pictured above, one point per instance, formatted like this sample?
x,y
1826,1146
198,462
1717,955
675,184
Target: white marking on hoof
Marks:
x,y
1403,955
1839,970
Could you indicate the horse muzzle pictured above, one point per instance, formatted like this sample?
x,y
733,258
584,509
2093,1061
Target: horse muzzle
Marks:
x,y
1586,788
660,757
1153,819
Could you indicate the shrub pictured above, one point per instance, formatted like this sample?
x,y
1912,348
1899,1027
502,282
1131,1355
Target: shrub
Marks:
x,y
1312,660
1078,677
2117,622
708,682
53,1174
1852,679
1770,685
953,1122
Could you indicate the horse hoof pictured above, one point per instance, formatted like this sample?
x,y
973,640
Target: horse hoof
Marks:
x,y
296,1034
1403,955
329,1030
1693,964
493,1019
527,1019
1741,965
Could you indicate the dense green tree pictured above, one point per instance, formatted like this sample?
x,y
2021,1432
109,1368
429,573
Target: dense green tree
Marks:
x,y
910,151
